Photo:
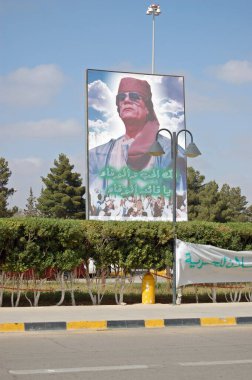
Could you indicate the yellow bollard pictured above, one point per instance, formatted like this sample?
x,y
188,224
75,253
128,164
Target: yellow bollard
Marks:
x,y
148,289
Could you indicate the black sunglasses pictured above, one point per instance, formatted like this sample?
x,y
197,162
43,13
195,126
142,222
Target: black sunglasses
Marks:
x,y
133,96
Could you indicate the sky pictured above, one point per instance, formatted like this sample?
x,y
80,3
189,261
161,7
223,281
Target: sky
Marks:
x,y
47,46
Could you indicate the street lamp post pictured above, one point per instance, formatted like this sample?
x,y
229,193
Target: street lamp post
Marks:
x,y
153,10
190,151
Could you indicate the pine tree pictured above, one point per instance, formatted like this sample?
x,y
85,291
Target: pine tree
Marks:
x,y
210,205
207,202
62,196
5,192
31,207
234,204
194,185
248,213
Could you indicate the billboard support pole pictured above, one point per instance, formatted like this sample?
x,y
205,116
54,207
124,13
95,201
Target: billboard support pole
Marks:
x,y
153,10
153,44
190,151
86,147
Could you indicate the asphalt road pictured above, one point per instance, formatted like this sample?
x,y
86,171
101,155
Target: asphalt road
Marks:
x,y
196,353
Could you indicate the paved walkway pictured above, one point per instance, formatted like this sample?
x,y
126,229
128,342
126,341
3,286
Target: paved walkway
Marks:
x,y
123,316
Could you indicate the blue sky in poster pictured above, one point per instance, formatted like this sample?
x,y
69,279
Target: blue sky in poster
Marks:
x,y
46,46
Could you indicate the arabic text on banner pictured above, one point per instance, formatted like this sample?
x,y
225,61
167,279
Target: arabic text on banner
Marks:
x,y
198,263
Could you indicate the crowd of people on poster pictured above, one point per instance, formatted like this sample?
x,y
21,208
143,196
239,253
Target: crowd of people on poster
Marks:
x,y
125,113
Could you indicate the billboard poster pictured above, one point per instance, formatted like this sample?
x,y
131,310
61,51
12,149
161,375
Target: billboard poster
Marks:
x,y
125,113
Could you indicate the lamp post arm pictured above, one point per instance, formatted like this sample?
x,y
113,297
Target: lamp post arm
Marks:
x,y
173,136
185,130
163,129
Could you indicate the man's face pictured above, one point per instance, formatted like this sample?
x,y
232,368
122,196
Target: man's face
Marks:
x,y
132,107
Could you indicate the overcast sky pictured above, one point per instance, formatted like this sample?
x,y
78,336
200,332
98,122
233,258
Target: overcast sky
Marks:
x,y
46,46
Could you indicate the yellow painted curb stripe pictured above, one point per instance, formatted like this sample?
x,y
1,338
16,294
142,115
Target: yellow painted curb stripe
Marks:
x,y
152,323
9,327
214,321
86,325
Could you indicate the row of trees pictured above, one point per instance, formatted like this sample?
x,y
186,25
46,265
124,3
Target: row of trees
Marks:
x,y
63,196
207,202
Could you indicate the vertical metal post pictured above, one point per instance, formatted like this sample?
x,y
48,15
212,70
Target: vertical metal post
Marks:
x,y
153,44
87,150
192,152
174,212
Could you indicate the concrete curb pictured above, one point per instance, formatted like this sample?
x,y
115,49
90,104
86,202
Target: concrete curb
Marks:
x,y
122,324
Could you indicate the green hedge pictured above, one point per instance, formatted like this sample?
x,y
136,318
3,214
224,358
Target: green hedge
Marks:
x,y
38,243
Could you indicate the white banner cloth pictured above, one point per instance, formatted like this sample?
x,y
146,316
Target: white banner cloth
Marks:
x,y
198,263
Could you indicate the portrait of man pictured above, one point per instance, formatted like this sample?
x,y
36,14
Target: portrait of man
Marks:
x,y
125,181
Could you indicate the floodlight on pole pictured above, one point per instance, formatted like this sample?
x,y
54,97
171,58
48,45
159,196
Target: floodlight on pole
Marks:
x,y
154,10
190,151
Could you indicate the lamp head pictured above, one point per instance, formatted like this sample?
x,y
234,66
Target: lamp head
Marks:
x,y
192,150
156,149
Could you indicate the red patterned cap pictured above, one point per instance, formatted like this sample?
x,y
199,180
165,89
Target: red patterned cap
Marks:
x,y
142,87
